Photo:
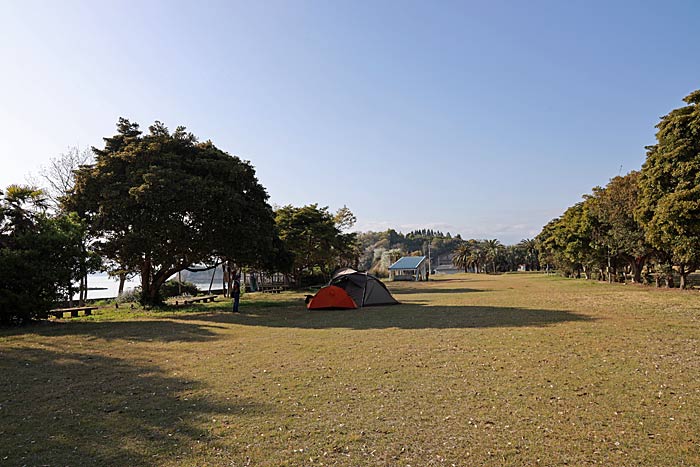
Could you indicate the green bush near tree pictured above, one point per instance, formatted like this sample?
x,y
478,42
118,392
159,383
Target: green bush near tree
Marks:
x,y
172,288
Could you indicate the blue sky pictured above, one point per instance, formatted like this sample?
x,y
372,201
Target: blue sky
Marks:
x,y
484,118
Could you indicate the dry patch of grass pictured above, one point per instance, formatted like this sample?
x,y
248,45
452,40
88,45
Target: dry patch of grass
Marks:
x,y
469,370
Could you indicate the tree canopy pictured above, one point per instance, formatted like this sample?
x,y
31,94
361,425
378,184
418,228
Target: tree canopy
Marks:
x,y
39,254
314,238
161,201
670,187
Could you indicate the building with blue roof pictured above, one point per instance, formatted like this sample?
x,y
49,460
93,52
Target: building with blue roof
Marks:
x,y
409,268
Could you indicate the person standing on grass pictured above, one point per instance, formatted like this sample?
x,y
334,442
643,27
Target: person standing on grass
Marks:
x,y
236,292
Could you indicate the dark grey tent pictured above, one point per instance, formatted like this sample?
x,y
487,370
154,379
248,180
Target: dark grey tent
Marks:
x,y
363,288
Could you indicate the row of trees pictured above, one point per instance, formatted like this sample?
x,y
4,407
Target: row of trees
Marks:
x,y
152,204
645,223
492,256
378,250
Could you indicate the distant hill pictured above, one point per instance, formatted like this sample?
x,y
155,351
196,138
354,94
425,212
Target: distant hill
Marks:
x,y
380,249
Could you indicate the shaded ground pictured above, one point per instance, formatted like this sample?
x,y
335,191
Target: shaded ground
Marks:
x,y
478,370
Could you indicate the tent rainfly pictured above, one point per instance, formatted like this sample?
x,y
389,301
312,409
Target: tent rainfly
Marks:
x,y
331,297
349,286
365,289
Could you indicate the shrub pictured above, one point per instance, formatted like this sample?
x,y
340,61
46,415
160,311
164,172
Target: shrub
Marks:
x,y
130,296
172,289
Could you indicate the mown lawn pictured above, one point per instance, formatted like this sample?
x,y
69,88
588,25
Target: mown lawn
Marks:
x,y
471,370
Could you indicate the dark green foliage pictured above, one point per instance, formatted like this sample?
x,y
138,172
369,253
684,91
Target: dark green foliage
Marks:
x,y
162,201
172,288
647,218
314,241
569,242
670,187
38,255
529,254
463,256
616,229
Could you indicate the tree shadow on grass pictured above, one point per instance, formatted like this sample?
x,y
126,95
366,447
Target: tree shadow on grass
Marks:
x,y
403,316
64,408
429,290
163,330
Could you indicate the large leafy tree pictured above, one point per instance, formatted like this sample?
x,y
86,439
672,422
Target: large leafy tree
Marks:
x,y
617,230
161,201
39,254
313,237
669,183
568,242
549,252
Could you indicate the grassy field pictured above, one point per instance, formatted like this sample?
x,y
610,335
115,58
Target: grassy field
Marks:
x,y
517,370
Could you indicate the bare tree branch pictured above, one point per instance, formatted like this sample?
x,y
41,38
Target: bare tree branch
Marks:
x,y
58,176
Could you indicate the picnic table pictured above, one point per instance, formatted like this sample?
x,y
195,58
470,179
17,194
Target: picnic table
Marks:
x,y
58,312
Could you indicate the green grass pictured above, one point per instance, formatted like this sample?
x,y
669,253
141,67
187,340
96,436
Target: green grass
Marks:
x,y
516,370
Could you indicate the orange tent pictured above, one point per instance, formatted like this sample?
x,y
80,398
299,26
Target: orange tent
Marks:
x,y
331,297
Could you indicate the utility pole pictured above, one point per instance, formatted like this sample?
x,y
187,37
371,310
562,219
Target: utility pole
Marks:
x,y
430,265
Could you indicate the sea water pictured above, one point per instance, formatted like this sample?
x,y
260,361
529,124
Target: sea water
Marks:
x,y
101,285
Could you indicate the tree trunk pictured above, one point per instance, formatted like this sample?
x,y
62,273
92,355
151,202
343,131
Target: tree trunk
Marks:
x,y
213,273
224,276
151,294
669,280
684,276
122,281
146,294
85,288
637,265
231,272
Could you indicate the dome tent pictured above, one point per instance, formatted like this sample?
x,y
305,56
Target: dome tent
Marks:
x,y
331,297
363,288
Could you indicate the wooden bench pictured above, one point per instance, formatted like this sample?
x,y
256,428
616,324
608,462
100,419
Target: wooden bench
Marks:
x,y
203,299
58,312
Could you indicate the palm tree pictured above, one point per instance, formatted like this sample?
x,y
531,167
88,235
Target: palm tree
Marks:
x,y
529,247
478,256
22,205
493,248
462,255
